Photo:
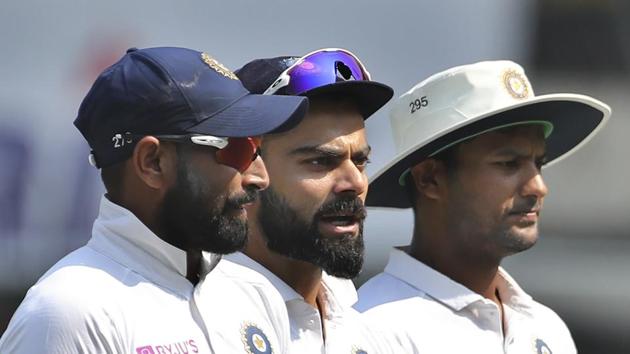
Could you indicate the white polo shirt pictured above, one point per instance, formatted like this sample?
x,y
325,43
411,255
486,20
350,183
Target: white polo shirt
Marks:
x,y
435,314
126,292
345,330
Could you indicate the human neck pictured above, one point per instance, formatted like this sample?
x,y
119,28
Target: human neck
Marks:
x,y
193,265
305,278
476,271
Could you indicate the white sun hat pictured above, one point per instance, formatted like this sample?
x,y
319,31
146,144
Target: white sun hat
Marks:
x,y
465,101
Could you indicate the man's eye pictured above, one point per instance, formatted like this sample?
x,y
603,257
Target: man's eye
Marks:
x,y
362,163
321,161
510,164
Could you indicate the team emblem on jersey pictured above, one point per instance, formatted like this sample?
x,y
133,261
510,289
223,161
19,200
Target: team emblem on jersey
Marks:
x,y
516,84
542,347
255,340
356,350
218,67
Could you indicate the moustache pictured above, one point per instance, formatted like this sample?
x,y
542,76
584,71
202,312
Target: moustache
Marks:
x,y
352,207
526,206
237,201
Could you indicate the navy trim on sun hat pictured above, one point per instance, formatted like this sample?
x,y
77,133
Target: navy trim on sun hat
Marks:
x,y
463,102
259,74
168,90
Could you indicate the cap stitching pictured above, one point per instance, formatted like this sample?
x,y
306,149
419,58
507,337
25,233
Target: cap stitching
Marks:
x,y
168,73
203,119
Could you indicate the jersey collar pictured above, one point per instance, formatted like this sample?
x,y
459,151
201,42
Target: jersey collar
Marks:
x,y
120,235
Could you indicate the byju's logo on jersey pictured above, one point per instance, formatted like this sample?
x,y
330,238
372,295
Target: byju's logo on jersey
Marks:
x,y
184,347
145,350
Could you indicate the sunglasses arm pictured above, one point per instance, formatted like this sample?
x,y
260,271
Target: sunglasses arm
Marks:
x,y
282,81
209,140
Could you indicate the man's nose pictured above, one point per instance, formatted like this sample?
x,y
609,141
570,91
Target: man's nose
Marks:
x,y
256,176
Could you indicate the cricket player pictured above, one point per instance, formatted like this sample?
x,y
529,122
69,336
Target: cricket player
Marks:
x,y
306,231
471,142
172,131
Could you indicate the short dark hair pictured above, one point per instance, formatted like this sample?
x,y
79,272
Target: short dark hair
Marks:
x,y
448,157
333,98
323,98
112,177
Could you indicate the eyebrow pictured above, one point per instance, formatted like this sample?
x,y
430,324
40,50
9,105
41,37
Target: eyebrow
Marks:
x,y
364,152
329,151
515,152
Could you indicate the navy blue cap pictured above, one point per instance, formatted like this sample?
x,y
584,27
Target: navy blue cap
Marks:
x,y
170,90
370,96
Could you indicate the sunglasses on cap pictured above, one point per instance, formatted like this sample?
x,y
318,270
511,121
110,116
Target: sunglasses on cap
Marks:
x,y
319,68
237,153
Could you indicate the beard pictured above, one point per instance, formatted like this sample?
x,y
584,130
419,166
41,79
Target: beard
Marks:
x,y
192,217
492,236
289,235
517,239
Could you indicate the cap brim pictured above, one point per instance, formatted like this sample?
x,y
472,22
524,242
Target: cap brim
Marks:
x,y
575,119
370,96
254,115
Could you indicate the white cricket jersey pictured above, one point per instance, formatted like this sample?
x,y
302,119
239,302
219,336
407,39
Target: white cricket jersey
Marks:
x,y
434,314
126,292
345,329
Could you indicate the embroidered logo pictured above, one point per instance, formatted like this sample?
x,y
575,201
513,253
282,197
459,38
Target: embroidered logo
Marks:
x,y
541,347
356,350
255,340
218,67
515,84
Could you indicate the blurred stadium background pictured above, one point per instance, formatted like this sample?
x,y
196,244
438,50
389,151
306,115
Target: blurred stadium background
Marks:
x,y
52,51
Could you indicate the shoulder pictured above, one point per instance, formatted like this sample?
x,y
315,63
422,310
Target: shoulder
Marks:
x,y
356,330
71,305
342,289
382,289
548,319
84,278
241,279
249,307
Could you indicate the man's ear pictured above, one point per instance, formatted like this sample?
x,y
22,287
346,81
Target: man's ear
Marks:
x,y
153,162
429,177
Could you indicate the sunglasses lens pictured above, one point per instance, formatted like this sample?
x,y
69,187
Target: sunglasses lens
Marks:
x,y
239,153
323,68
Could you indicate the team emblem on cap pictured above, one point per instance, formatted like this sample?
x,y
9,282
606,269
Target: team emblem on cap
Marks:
x,y
218,67
541,347
515,84
255,340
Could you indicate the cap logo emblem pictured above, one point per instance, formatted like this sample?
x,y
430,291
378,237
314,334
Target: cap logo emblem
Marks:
x,y
515,84
218,67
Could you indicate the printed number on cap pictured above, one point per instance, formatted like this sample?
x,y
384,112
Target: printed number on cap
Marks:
x,y
120,140
418,103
